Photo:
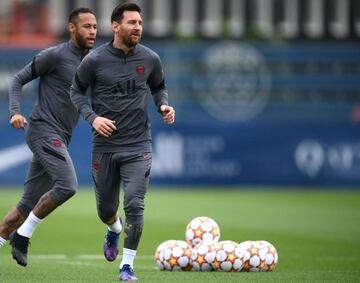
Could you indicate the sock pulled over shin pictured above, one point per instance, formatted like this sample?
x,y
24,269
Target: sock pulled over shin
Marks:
x,y
116,227
128,257
29,226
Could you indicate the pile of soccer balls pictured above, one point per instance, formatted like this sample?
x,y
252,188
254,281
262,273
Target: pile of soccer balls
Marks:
x,y
202,251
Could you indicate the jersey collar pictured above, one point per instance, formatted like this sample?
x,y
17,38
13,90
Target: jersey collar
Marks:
x,y
77,50
121,53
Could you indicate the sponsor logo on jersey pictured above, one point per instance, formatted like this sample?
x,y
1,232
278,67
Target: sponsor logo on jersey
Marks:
x,y
125,87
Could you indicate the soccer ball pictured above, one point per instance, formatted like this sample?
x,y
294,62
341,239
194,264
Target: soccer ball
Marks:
x,y
228,257
202,230
271,255
254,256
160,251
202,257
173,255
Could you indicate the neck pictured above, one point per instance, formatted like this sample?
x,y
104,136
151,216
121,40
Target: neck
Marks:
x,y
78,46
118,44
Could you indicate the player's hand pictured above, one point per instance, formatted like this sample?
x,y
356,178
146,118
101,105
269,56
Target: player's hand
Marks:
x,y
18,121
104,126
168,114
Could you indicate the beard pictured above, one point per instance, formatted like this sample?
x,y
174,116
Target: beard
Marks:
x,y
82,42
130,42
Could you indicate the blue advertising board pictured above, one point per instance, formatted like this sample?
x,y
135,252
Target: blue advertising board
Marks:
x,y
257,114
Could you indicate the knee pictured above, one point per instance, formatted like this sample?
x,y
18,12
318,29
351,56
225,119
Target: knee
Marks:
x,y
63,191
106,213
134,210
69,190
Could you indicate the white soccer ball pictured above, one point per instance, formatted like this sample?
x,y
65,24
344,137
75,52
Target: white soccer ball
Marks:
x,y
202,257
173,255
202,230
228,257
254,256
271,255
159,253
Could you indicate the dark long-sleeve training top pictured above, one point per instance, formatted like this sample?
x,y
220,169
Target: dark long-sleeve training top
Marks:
x,y
53,111
119,84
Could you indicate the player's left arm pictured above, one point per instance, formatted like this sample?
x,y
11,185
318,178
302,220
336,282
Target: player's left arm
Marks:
x,y
158,90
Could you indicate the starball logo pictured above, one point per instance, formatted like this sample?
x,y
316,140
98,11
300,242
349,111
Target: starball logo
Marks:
x,y
234,82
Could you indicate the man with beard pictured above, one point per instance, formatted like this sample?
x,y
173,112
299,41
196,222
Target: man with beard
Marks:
x,y
121,74
51,178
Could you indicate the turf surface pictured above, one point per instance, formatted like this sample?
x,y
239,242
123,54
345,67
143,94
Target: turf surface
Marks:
x,y
316,233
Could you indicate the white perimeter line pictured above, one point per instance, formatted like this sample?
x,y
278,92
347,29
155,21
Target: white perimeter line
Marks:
x,y
100,257
47,257
82,257
78,263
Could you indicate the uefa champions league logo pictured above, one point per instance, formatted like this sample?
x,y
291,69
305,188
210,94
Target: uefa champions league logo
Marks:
x,y
235,82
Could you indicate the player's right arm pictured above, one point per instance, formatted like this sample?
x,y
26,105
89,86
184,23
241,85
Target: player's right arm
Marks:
x,y
42,63
81,82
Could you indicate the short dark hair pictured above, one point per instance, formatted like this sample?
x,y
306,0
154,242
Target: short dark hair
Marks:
x,y
118,12
74,15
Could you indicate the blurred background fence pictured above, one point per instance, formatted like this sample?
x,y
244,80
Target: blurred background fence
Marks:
x,y
266,92
287,19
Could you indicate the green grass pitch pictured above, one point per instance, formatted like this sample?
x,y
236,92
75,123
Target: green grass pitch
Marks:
x,y
316,233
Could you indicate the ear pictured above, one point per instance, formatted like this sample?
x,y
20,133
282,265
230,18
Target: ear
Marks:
x,y
115,26
71,27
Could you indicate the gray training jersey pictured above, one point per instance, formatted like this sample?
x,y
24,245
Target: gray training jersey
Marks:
x,y
119,84
53,111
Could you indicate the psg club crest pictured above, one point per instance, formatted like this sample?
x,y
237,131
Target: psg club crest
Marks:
x,y
56,143
140,69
